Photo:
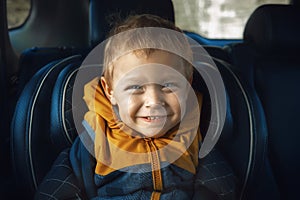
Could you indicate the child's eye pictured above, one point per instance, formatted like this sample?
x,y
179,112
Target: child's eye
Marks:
x,y
168,87
134,87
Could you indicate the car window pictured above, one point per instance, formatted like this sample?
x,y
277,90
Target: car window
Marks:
x,y
17,12
217,19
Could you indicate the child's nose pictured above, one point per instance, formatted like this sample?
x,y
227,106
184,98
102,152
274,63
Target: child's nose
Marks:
x,y
154,96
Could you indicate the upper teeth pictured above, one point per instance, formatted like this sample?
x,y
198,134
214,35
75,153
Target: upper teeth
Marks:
x,y
152,118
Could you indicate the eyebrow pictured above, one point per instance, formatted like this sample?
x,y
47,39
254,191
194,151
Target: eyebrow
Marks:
x,y
142,77
133,79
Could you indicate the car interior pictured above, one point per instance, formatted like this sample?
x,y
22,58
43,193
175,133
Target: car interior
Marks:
x,y
41,58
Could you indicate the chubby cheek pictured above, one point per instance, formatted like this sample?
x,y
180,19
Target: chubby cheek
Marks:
x,y
128,107
177,105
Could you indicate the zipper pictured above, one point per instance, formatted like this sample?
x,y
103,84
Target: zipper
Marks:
x,y
156,172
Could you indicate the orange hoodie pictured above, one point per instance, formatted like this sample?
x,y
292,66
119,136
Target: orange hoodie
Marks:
x,y
115,149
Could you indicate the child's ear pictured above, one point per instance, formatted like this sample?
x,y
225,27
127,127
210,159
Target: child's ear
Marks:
x,y
108,91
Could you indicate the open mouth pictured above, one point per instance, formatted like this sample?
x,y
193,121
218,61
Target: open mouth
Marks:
x,y
154,118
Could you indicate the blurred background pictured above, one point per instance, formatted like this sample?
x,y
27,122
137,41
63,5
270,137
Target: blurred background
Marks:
x,y
215,19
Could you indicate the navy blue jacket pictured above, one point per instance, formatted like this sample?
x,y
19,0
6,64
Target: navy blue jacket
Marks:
x,y
72,177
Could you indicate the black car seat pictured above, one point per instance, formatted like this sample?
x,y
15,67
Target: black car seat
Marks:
x,y
44,125
63,130
32,149
268,60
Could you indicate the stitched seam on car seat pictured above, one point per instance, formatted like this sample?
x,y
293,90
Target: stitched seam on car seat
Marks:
x,y
31,115
63,101
251,129
63,105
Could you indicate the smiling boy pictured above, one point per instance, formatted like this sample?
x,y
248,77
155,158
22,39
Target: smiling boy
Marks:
x,y
144,113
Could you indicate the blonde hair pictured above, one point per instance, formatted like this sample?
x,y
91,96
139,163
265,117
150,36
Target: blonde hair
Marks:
x,y
142,35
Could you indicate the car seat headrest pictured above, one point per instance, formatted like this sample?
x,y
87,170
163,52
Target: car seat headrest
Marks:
x,y
274,28
101,11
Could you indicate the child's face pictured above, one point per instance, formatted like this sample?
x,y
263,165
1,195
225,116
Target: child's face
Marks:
x,y
150,93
